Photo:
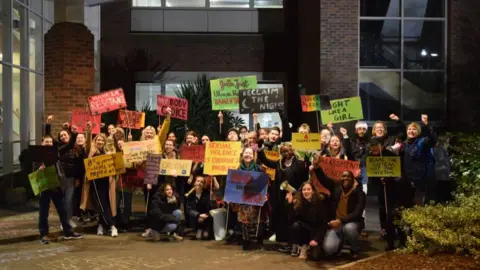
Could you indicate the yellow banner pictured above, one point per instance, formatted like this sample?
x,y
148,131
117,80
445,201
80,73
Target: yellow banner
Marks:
x,y
306,141
138,151
272,155
384,167
175,167
119,163
271,172
222,156
100,167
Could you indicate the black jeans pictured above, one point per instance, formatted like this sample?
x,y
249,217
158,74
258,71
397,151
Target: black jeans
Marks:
x,y
55,195
206,225
101,193
300,233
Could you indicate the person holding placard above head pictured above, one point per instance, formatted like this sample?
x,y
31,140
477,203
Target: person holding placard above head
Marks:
x,y
198,209
335,148
232,134
164,214
102,190
309,215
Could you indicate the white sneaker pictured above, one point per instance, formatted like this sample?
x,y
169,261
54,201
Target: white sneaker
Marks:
x,y
100,230
72,224
205,235
303,252
177,237
147,233
114,231
199,234
273,238
155,235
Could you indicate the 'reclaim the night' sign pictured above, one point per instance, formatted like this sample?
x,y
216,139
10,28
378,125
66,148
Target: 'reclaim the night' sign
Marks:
x,y
261,100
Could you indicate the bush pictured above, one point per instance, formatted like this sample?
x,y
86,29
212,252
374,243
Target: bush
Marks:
x,y
454,227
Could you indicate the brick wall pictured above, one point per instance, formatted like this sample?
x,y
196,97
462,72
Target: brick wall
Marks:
x,y
464,66
69,70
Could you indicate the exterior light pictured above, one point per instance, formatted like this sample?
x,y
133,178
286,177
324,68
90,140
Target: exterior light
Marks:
x,y
424,52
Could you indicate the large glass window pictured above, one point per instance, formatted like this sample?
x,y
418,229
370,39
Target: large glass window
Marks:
x,y
268,4
16,93
18,18
49,10
402,58
230,3
147,3
146,95
35,38
185,3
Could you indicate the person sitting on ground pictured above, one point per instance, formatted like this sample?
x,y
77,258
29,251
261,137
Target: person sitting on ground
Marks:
x,y
198,209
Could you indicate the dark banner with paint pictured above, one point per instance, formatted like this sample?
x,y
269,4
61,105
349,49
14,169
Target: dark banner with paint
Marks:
x,y
261,100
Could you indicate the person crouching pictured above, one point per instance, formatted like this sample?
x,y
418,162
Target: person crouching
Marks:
x,y
164,214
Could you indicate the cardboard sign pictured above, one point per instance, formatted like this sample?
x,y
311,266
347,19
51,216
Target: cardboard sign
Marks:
x,y
272,155
45,179
270,172
334,167
80,118
343,110
383,167
119,163
131,119
310,103
245,187
100,167
132,179
261,100
221,156
175,167
47,155
138,151
306,141
152,168
225,91
193,152
179,107
107,101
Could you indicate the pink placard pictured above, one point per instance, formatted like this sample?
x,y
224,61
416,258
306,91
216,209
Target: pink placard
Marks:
x,y
80,118
179,106
107,101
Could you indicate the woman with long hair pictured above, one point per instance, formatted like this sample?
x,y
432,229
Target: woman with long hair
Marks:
x,y
198,209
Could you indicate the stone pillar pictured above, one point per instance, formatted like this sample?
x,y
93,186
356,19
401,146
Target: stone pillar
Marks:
x,y
69,63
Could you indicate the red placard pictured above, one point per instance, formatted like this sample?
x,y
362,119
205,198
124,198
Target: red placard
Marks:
x,y
193,152
80,117
131,119
333,167
179,106
107,101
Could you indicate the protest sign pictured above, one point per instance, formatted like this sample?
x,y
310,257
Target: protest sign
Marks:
x,y
343,110
119,163
175,167
80,118
225,91
131,119
152,168
107,101
133,178
179,107
261,100
47,155
272,155
100,167
334,167
196,153
310,103
383,167
138,151
246,187
45,179
306,141
270,172
222,156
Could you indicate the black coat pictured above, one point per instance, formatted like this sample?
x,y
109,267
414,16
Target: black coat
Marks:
x,y
355,206
196,206
160,212
314,215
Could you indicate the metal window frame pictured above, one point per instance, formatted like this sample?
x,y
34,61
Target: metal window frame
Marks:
x,y
7,95
163,5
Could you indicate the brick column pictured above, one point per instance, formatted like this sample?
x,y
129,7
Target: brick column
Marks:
x,y
69,70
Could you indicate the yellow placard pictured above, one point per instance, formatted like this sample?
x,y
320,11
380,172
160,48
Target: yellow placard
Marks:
x,y
100,167
306,141
384,167
222,156
270,172
272,155
119,163
175,167
138,151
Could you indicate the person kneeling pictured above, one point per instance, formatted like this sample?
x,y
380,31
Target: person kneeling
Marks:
x,y
198,209
349,205
164,215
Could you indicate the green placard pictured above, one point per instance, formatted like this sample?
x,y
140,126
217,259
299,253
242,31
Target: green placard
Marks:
x,y
225,91
44,180
343,110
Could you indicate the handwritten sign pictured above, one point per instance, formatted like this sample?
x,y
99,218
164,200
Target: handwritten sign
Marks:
x,y
272,155
383,167
80,118
175,167
225,91
45,179
152,168
138,151
193,152
100,167
334,167
133,178
222,156
179,107
261,100
310,103
107,101
270,172
131,119
119,163
44,154
306,141
246,187
343,110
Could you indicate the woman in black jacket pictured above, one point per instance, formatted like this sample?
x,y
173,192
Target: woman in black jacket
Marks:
x,y
309,213
164,214
198,209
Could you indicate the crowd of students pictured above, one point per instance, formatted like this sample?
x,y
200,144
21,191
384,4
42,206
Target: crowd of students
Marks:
x,y
313,218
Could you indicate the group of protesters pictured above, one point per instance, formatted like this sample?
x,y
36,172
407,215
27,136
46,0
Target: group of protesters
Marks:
x,y
308,216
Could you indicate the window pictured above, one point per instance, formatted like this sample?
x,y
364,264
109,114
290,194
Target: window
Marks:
x,y
423,93
18,31
424,44
380,93
147,3
146,95
16,85
380,8
380,43
424,8
170,89
268,4
49,11
35,39
185,3
230,3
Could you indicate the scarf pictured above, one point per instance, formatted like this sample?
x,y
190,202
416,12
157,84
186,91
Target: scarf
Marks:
x,y
172,199
250,167
342,208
